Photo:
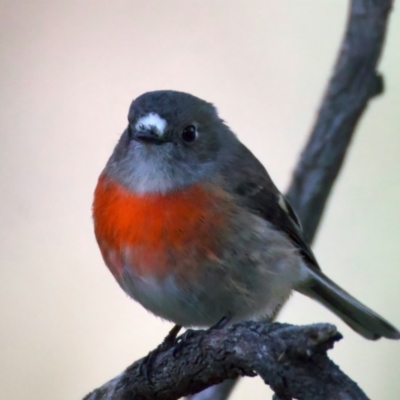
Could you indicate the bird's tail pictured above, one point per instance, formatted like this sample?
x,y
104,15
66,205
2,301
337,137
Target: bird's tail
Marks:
x,y
359,317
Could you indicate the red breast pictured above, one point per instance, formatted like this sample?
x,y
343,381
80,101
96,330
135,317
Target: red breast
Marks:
x,y
152,233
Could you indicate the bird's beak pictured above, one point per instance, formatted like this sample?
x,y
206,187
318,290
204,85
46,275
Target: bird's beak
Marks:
x,y
148,136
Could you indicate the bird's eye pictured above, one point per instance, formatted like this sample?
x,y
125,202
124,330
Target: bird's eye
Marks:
x,y
189,134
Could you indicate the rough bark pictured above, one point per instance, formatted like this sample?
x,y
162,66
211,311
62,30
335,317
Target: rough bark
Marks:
x,y
291,359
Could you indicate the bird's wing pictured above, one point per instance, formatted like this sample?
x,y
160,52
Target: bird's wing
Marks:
x,y
272,206
247,178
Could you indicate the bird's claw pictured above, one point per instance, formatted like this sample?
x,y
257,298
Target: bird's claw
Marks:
x,y
174,342
168,342
182,340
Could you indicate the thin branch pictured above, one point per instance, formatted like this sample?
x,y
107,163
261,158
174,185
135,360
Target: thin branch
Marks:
x,y
354,82
292,360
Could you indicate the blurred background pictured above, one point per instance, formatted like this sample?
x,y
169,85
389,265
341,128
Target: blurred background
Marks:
x,y
68,71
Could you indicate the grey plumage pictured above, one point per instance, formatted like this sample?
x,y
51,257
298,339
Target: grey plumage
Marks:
x,y
263,254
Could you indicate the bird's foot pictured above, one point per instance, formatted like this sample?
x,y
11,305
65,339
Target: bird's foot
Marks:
x,y
168,342
177,343
220,324
182,340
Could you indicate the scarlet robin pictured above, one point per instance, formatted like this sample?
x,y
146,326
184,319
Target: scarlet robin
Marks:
x,y
192,227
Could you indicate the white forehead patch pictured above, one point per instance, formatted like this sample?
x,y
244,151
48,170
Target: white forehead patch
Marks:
x,y
152,121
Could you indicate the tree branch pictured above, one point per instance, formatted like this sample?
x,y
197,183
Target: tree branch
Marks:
x,y
354,82
292,360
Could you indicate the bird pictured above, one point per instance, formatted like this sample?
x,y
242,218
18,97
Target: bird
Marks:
x,y
192,227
